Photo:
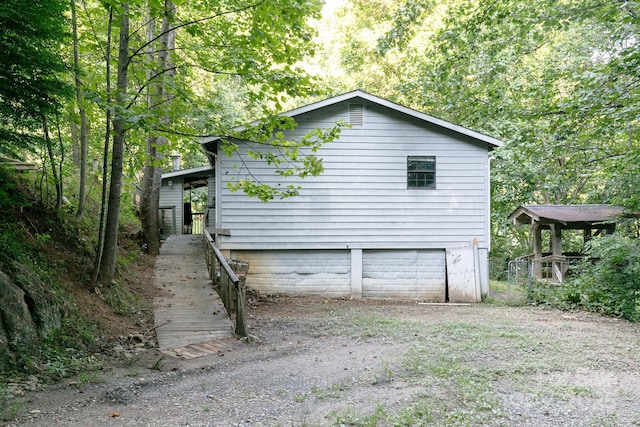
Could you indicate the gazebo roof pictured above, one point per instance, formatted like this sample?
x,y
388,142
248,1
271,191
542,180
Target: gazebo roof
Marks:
x,y
571,216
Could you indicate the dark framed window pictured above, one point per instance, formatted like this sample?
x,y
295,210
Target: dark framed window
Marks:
x,y
421,172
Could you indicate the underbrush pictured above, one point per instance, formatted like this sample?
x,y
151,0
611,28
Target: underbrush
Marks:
x,y
608,282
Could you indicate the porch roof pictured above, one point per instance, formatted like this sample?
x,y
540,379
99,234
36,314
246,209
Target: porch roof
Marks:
x,y
188,173
569,216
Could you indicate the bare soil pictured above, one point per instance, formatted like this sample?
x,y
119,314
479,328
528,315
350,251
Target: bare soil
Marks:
x,y
318,362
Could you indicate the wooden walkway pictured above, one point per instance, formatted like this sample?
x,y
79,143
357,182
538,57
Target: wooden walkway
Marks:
x,y
189,317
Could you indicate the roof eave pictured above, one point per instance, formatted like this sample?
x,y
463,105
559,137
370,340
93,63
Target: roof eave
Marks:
x,y
184,172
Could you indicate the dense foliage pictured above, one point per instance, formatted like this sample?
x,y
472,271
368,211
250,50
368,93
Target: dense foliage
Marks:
x,y
32,82
608,281
612,283
557,81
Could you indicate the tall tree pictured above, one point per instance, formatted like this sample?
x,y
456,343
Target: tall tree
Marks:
x,y
105,150
107,267
32,81
159,77
83,137
260,43
556,80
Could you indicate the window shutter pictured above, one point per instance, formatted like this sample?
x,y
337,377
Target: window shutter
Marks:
x,y
356,114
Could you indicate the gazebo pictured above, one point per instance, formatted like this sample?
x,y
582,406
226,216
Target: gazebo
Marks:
x,y
591,219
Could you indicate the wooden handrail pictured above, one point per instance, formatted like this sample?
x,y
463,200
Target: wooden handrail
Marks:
x,y
241,328
221,259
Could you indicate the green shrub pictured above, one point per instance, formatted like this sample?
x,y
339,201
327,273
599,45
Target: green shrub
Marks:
x,y
608,281
611,283
566,295
10,196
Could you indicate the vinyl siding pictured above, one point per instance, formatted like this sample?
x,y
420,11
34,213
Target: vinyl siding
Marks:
x,y
211,204
361,200
172,196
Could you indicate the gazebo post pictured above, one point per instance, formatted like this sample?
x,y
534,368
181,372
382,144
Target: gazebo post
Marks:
x,y
536,232
556,240
556,251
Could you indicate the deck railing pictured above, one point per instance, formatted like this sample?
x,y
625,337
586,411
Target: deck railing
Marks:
x,y
230,286
197,222
548,268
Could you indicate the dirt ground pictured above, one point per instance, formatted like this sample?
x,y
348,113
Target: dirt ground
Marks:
x,y
317,362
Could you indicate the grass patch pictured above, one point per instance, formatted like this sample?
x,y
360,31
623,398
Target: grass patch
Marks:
x,y
352,418
332,391
503,293
377,325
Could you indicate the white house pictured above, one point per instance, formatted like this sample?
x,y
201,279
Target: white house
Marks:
x,y
401,211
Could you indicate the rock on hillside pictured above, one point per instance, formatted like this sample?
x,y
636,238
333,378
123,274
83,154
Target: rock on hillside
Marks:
x,y
27,313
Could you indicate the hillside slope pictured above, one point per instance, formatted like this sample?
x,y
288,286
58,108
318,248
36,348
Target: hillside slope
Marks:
x,y
50,317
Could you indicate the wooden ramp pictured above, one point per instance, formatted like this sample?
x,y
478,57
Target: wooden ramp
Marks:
x,y
189,317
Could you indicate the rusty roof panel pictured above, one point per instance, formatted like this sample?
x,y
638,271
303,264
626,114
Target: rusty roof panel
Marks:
x,y
565,214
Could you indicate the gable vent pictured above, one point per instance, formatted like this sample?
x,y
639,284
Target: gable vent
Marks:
x,y
356,114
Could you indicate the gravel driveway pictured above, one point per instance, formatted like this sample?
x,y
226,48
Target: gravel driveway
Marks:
x,y
317,362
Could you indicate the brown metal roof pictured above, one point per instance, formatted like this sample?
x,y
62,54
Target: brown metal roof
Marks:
x,y
565,214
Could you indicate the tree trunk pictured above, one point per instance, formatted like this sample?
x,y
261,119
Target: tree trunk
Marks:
x,y
73,128
83,116
57,179
148,202
105,153
158,80
108,262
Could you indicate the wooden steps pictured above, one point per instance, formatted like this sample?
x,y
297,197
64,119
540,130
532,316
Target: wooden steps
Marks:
x,y
217,347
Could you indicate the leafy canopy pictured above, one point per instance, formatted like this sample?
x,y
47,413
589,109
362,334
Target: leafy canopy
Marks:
x,y
32,81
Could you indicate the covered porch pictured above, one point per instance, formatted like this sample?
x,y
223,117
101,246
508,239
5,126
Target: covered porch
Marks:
x,y
554,264
187,201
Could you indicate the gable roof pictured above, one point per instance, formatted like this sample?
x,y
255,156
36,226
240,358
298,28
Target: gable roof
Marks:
x,y
565,214
359,94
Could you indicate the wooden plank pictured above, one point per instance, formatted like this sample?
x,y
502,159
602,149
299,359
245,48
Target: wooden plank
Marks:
x,y
192,312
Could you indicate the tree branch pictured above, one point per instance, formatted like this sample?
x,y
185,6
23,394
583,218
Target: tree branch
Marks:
x,y
196,21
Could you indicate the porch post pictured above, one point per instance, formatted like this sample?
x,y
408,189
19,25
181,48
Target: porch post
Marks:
x,y
556,240
556,248
536,232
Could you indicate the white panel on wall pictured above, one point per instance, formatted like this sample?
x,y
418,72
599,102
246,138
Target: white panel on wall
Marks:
x,y
463,275
320,273
415,274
